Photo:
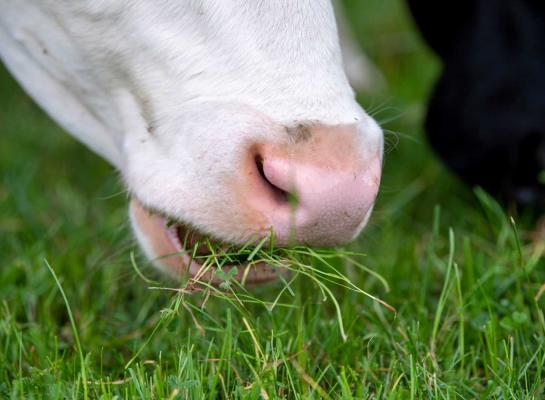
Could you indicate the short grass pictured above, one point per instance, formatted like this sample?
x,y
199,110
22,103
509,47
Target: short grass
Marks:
x,y
78,321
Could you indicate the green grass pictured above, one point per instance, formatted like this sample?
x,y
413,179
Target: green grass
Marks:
x,y
463,278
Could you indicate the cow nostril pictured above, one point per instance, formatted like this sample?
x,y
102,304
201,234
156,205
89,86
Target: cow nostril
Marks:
x,y
279,194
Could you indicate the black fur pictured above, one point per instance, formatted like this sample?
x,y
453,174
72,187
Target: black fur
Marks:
x,y
486,116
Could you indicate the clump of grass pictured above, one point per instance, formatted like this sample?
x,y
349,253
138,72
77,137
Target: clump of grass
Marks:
x,y
227,268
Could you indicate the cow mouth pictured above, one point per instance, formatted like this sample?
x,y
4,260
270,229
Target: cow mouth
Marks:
x,y
184,252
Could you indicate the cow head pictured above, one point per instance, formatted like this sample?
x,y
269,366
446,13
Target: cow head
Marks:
x,y
231,118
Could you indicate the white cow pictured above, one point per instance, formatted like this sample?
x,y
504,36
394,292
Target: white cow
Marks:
x,y
214,112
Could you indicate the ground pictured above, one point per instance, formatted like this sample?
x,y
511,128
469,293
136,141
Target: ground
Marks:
x,y
463,277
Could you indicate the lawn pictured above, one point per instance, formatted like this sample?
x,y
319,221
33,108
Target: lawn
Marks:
x,y
463,275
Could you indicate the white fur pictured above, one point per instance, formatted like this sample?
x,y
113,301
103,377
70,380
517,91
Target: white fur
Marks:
x,y
172,92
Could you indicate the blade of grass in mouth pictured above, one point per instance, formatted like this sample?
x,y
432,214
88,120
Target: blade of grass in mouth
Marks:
x,y
316,266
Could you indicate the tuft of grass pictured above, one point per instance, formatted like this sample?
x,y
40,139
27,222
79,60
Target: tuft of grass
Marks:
x,y
74,331
321,269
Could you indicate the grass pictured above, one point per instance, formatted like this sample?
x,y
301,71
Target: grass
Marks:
x,y
466,279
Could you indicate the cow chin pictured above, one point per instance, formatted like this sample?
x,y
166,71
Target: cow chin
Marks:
x,y
179,250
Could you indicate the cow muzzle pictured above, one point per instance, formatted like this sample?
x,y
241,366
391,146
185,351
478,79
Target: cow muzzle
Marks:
x,y
317,188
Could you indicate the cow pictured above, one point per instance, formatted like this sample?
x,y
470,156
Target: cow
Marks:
x,y
227,120
486,113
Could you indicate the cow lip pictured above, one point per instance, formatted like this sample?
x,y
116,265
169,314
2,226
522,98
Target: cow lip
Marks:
x,y
189,242
195,247
181,251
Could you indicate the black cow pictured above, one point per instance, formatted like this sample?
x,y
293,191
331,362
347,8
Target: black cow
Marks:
x,y
486,116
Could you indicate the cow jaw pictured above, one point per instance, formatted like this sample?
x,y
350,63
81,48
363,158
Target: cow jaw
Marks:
x,y
180,251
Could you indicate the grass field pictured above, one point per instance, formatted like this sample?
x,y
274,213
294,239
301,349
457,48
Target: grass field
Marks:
x,y
463,278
